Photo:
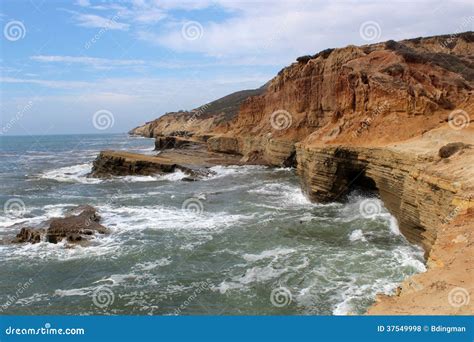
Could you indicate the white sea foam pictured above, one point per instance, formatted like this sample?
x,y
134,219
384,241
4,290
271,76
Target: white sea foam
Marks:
x,y
150,265
273,253
168,218
72,174
357,235
223,171
286,195
171,177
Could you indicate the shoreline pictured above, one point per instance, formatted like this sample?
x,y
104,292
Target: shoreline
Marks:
x,y
424,192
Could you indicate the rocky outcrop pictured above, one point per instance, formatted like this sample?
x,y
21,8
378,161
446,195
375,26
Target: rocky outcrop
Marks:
x,y
200,120
427,184
78,226
355,95
194,162
115,163
224,144
169,142
407,177
391,117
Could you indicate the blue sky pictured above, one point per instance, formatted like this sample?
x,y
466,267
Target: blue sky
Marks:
x,y
64,61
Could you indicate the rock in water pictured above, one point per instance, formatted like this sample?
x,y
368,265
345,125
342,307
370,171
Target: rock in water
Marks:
x,y
79,224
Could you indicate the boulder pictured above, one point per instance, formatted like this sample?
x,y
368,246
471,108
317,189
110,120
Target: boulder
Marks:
x,y
79,224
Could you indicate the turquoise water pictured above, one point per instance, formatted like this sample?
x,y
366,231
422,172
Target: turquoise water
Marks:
x,y
243,241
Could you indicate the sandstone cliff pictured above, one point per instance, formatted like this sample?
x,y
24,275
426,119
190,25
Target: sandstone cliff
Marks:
x,y
391,117
202,120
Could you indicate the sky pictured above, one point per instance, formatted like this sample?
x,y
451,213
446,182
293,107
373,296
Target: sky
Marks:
x,y
97,66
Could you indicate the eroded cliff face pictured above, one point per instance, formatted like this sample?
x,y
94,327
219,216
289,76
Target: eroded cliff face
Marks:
x,y
358,96
378,116
418,186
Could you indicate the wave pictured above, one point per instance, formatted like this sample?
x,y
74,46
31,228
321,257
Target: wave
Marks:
x,y
168,218
72,174
220,171
171,177
78,174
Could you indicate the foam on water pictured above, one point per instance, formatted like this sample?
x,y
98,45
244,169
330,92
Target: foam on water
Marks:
x,y
171,177
220,171
357,235
161,217
256,231
74,173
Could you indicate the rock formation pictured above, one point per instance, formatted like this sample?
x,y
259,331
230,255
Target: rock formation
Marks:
x,y
392,117
77,226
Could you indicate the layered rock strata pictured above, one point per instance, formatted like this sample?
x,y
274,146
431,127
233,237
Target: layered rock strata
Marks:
x,y
392,117
193,162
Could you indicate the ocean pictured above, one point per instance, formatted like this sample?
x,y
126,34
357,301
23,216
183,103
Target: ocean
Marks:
x,y
244,241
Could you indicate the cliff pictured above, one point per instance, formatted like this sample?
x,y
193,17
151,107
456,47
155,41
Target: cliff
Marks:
x,y
199,120
391,117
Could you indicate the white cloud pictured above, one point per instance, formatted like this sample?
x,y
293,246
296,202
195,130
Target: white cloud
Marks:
x,y
131,100
83,3
96,21
99,63
279,32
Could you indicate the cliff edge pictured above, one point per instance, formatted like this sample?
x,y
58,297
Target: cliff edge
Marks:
x,y
392,117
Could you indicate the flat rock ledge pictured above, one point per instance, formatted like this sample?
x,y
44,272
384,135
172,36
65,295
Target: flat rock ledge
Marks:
x,y
79,225
195,161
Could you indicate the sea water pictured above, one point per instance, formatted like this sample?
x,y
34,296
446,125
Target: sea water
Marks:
x,y
244,241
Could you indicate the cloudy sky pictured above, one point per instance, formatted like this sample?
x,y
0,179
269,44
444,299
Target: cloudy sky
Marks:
x,y
64,61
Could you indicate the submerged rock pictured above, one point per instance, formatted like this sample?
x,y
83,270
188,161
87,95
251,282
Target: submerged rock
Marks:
x,y
79,224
